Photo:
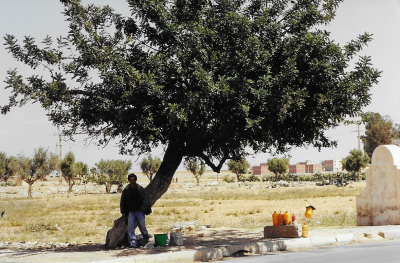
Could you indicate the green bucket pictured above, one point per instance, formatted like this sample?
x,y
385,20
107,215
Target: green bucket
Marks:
x,y
160,240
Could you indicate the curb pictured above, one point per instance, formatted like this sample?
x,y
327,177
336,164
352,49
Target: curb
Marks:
x,y
207,254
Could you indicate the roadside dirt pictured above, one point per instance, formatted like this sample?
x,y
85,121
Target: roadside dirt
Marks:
x,y
209,238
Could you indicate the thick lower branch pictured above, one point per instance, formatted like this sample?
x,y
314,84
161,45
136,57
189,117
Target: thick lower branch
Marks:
x,y
215,168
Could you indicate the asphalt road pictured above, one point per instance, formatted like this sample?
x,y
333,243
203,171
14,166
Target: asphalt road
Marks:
x,y
386,252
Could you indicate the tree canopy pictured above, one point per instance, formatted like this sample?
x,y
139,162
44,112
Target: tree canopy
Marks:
x,y
380,130
355,162
278,166
69,170
239,167
8,166
196,168
150,166
42,164
208,79
113,172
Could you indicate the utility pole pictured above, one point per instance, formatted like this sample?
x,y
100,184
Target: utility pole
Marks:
x,y
358,134
60,146
358,128
359,147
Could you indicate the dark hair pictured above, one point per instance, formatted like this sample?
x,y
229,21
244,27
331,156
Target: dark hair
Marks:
x,y
132,175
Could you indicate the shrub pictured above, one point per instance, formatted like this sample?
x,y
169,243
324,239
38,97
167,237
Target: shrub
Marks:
x,y
228,179
252,178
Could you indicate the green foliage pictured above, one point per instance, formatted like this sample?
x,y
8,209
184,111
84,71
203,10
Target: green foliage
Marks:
x,y
69,170
240,168
311,177
278,166
253,178
196,168
380,130
112,172
150,166
42,164
228,179
355,162
8,166
207,79
82,170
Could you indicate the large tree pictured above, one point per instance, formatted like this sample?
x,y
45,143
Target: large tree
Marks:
x,y
380,130
208,79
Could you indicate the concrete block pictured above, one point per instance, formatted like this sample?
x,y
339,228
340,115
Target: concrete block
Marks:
x,y
282,231
297,243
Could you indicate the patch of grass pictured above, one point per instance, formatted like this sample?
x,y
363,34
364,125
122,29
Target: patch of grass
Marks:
x,y
334,220
85,218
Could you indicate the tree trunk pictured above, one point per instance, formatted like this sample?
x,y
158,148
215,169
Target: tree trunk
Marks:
x,y
30,189
161,181
108,187
71,183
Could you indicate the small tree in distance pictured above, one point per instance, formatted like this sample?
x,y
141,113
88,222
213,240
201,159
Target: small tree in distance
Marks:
x,y
278,166
68,170
36,168
355,162
113,172
8,167
196,169
239,168
82,171
380,130
150,166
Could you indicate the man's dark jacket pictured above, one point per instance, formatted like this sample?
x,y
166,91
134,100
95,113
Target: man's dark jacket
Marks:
x,y
143,200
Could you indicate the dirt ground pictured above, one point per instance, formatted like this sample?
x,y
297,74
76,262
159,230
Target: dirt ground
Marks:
x,y
210,238
205,238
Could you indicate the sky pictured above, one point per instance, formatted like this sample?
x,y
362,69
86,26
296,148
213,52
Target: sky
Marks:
x,y
25,129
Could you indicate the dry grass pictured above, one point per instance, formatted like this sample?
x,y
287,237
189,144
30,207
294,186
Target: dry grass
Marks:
x,y
86,218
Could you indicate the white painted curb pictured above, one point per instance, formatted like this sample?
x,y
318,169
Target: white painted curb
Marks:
x,y
208,254
298,243
323,241
344,238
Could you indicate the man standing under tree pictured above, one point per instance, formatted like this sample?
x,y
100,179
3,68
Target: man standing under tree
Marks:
x,y
135,204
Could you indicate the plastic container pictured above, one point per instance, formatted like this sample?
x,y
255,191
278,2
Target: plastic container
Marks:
x,y
287,218
275,221
160,240
280,218
309,211
304,230
294,221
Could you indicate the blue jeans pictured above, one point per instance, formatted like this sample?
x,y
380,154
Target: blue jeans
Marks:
x,y
136,219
